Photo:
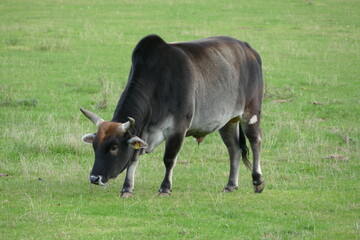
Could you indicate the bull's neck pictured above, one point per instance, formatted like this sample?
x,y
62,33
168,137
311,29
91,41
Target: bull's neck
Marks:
x,y
135,103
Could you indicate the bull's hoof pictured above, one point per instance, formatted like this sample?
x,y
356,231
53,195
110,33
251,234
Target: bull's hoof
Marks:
x,y
259,187
230,189
163,192
126,195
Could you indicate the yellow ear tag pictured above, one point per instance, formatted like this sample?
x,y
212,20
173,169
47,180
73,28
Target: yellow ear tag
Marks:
x,y
137,145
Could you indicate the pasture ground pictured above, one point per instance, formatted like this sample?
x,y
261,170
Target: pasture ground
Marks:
x,y
58,56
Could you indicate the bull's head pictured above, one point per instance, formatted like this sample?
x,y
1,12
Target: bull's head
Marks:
x,y
113,147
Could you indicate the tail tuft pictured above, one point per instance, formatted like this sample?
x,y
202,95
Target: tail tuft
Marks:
x,y
244,148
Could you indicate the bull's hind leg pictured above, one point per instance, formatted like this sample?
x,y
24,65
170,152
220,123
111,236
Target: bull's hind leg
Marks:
x,y
230,136
252,130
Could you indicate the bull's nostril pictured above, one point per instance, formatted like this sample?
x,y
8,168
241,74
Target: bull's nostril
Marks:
x,y
94,179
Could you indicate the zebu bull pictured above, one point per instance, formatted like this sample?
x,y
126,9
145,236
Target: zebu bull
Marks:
x,y
177,90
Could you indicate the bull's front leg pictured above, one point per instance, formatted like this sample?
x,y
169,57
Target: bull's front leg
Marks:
x,y
173,145
128,187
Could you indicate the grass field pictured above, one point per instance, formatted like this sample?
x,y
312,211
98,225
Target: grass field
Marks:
x,y
58,56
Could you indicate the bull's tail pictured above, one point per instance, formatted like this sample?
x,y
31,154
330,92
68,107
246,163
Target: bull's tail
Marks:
x,y
244,148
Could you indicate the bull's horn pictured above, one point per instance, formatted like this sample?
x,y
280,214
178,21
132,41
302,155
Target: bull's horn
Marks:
x,y
92,116
126,126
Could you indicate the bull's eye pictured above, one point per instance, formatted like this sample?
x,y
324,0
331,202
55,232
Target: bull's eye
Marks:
x,y
114,148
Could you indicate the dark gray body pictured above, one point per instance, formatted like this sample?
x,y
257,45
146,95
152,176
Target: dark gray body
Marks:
x,y
192,89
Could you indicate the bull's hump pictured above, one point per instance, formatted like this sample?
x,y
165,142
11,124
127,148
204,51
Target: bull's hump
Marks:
x,y
148,44
148,51
152,40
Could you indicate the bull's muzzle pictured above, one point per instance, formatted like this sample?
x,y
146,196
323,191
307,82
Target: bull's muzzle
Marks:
x,y
97,180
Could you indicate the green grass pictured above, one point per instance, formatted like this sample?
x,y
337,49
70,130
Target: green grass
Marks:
x,y
58,56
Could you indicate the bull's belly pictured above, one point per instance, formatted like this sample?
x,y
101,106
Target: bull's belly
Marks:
x,y
203,125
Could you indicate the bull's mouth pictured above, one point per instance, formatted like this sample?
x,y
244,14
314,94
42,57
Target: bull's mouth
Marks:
x,y
101,182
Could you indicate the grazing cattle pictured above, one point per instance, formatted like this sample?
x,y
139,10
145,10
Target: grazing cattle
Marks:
x,y
177,90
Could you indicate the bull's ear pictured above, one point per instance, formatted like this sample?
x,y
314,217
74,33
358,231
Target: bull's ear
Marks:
x,y
89,138
137,142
